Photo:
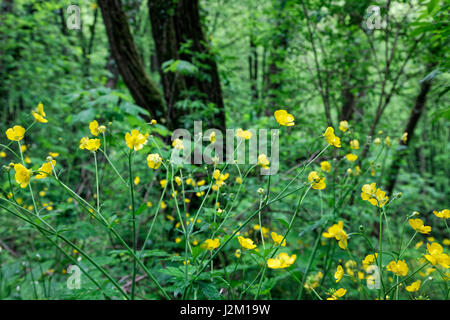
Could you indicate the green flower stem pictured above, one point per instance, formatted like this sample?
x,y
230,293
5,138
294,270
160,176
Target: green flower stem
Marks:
x,y
291,223
114,168
154,218
87,206
29,184
32,277
407,278
133,222
52,231
96,182
407,245
308,266
10,150
182,223
380,255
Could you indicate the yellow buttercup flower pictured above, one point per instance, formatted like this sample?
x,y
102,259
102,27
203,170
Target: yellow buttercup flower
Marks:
x,y
283,260
339,273
2,154
284,118
15,133
325,166
375,196
212,137
220,179
338,294
377,141
154,160
405,139
39,113
246,243
369,260
413,287
436,255
95,128
211,244
277,238
343,126
316,181
263,162
399,268
178,144
92,144
237,253
388,141
163,183
46,169
22,175
238,180
417,224
444,214
349,266
53,154
354,144
244,134
331,138
137,180
83,143
357,171
337,231
178,180
351,157
135,140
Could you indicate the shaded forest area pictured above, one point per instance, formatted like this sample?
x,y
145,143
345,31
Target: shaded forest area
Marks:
x,y
91,92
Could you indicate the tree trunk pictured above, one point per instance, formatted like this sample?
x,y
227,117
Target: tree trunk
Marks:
x,y
144,91
253,69
414,117
277,56
177,25
348,105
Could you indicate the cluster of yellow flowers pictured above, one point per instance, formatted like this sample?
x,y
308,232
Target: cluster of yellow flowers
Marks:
x,y
17,133
337,231
92,144
283,260
135,140
374,195
220,179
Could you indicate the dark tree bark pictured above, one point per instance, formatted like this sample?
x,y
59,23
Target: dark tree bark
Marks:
x,y
144,91
348,105
175,24
414,117
111,66
253,69
277,55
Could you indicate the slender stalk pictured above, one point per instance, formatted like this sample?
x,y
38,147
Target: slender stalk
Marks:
x,y
310,260
133,221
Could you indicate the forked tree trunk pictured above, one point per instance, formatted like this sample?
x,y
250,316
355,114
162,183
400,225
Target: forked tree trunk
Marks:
x,y
253,69
175,24
277,55
144,91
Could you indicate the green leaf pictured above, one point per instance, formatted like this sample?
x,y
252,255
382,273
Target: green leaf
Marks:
x,y
432,5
